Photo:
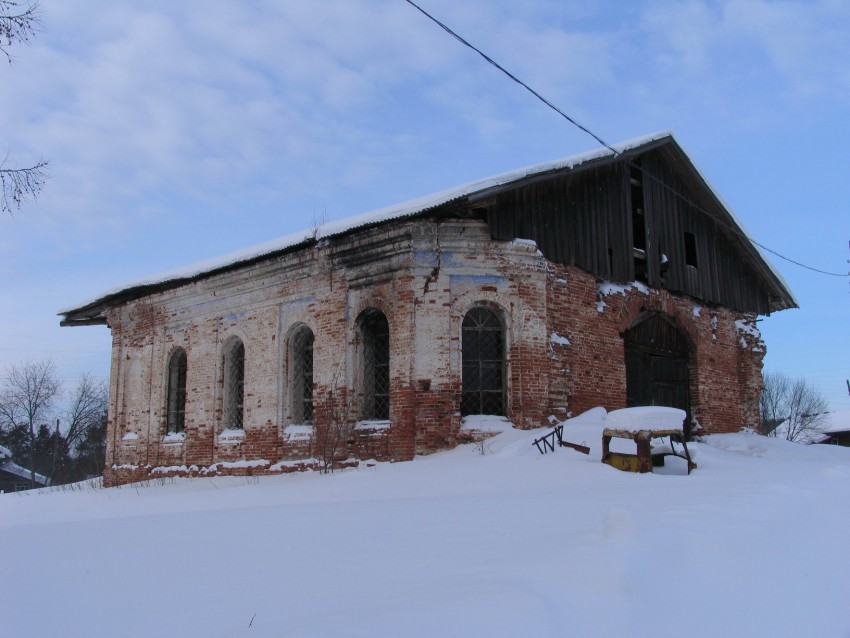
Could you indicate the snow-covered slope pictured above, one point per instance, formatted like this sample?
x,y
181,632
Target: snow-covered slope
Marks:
x,y
485,540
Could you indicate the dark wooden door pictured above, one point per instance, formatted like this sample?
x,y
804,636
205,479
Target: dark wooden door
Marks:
x,y
657,364
656,380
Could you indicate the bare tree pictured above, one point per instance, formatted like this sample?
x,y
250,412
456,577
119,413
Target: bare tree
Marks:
x,y
27,398
18,24
791,408
84,417
88,405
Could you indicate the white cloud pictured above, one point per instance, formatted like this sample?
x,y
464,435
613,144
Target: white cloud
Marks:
x,y
133,102
782,50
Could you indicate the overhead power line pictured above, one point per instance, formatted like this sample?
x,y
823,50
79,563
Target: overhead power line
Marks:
x,y
512,76
572,121
732,229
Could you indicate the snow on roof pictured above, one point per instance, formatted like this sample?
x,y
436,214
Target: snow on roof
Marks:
x,y
409,208
836,422
395,211
5,453
17,470
831,423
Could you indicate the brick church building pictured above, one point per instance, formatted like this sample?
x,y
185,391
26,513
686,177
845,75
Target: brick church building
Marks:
x,y
611,279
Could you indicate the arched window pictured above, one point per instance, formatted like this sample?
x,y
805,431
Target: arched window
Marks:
x,y
375,364
483,363
301,374
234,384
176,392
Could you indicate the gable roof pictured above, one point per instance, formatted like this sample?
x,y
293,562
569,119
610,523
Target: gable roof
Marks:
x,y
92,312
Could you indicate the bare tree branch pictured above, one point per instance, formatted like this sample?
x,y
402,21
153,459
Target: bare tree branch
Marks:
x,y
18,23
88,404
20,184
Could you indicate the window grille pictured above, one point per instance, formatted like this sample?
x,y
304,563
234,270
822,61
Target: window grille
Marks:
x,y
234,389
176,393
301,374
375,365
483,363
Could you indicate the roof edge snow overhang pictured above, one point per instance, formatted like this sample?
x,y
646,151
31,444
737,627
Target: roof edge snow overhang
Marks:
x,y
93,312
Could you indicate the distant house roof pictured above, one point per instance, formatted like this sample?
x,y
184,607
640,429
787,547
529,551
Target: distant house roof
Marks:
x,y
9,467
833,423
12,468
92,311
838,421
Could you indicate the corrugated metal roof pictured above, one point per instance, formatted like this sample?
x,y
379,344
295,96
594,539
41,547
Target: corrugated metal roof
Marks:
x,y
90,311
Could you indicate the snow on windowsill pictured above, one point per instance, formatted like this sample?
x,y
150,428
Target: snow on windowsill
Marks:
x,y
231,435
486,423
372,425
298,432
174,438
130,436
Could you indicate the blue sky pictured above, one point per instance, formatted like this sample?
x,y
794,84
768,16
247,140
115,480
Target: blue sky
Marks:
x,y
179,131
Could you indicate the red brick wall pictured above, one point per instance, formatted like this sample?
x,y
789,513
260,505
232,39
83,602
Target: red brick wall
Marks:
x,y
725,377
424,276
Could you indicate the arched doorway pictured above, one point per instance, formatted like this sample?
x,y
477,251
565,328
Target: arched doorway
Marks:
x,y
657,364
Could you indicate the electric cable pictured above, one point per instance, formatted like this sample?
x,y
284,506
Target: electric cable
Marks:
x,y
736,230
513,77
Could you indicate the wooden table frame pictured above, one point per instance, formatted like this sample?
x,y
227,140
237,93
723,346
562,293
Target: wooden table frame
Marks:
x,y
642,462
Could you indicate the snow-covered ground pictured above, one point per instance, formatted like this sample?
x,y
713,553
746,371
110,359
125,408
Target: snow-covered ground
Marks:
x,y
484,540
